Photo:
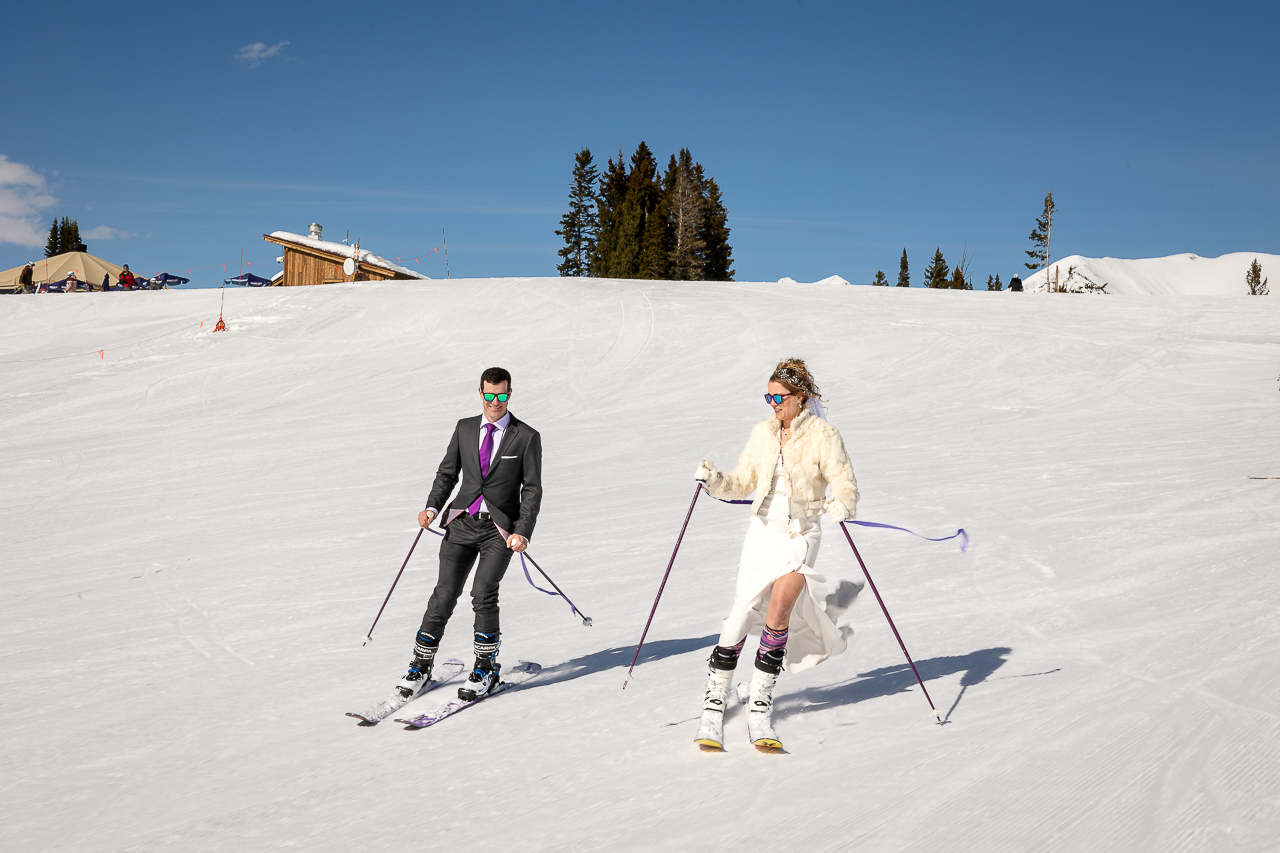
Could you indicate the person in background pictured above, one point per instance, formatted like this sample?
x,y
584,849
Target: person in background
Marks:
x,y
25,277
106,282
127,280
72,281
1015,284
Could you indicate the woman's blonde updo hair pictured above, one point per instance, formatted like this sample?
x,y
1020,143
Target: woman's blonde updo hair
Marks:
x,y
792,374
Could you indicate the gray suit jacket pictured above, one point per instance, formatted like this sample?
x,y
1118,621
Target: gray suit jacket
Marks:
x,y
513,489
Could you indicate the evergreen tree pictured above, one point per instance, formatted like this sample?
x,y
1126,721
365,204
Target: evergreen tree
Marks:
x,y
958,280
1041,235
640,198
904,272
54,244
996,284
687,215
672,226
935,275
717,254
68,234
580,225
659,236
1256,283
880,280
613,189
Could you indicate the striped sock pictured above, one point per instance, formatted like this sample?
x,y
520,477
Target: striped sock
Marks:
x,y
773,649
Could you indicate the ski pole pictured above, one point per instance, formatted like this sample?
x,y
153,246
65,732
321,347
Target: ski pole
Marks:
x,y
663,585
586,620
368,638
893,627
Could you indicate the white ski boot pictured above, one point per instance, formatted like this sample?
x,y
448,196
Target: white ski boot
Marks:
x,y
759,702
415,679
711,731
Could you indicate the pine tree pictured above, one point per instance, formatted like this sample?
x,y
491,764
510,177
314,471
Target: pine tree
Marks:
x,y
1041,235
613,190
641,194
64,234
687,217
74,235
880,280
580,226
658,239
996,284
958,280
904,272
717,254
1254,280
54,244
935,275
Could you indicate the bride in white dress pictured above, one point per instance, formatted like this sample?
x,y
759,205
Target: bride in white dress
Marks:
x,y
789,461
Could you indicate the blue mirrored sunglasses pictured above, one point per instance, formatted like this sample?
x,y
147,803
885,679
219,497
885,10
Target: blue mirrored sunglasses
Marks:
x,y
502,398
776,399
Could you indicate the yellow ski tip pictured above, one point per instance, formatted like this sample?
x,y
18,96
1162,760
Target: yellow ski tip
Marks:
x,y
768,744
709,745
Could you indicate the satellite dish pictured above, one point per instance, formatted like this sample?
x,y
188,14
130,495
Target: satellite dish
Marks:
x,y
349,266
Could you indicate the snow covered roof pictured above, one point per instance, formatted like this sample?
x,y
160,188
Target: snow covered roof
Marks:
x,y
343,250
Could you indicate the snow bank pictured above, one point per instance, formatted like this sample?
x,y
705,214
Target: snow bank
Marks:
x,y
1176,275
346,251
831,279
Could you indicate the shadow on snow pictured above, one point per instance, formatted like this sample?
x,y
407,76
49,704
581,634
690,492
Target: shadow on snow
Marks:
x,y
886,681
620,656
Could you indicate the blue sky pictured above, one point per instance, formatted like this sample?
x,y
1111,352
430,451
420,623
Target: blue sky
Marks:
x,y
840,133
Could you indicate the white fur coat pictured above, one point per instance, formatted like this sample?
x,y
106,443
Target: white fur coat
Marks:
x,y
814,458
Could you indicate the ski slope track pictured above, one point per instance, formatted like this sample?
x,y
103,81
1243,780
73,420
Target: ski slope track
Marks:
x,y
199,528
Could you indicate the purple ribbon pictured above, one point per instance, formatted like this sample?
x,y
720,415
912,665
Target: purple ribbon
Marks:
x,y
529,578
964,537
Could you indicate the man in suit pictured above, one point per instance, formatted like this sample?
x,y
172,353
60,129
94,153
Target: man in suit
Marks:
x,y
499,459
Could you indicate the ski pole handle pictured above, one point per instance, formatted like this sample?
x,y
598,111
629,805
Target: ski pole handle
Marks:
x,y
368,638
697,491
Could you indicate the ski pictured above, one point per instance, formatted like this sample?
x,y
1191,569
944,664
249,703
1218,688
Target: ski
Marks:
x,y
519,674
759,725
444,673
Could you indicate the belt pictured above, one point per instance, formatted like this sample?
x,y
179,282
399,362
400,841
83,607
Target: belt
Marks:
x,y
483,516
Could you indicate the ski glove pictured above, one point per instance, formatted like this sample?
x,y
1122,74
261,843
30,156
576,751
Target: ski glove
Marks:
x,y
837,510
708,474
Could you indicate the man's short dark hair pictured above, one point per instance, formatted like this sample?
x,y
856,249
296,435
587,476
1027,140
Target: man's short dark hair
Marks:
x,y
495,376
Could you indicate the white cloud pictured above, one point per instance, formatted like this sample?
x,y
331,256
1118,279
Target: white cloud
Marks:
x,y
258,52
106,232
22,197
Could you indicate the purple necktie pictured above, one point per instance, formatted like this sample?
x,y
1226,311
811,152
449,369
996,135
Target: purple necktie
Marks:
x,y
486,453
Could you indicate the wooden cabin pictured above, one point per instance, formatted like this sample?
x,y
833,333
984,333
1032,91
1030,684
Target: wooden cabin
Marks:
x,y
312,260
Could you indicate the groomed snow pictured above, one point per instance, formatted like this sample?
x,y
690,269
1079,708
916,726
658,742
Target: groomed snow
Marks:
x,y
201,527
1176,275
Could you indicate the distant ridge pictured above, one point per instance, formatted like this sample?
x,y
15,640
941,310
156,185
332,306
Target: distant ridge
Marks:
x,y
1176,275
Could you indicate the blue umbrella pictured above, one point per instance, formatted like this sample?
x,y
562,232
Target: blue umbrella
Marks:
x,y
248,280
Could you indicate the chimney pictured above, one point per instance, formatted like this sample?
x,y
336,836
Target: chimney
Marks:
x,y
314,231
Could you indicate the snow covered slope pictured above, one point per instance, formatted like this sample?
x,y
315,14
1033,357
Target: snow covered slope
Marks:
x,y
200,528
1176,275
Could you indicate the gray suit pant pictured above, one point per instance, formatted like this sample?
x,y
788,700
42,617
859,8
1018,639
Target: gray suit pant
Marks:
x,y
466,539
